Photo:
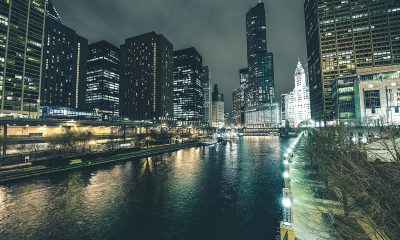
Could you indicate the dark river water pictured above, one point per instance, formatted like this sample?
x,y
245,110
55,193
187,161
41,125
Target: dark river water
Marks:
x,y
228,191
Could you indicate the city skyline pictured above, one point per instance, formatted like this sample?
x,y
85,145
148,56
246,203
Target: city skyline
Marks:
x,y
214,35
211,119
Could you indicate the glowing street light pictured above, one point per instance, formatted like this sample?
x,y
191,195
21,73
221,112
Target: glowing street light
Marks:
x,y
286,202
364,140
286,175
286,162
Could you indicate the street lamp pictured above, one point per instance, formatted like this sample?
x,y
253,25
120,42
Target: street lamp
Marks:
x,y
286,175
286,162
286,202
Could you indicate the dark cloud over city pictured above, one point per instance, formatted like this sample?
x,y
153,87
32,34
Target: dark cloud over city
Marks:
x,y
216,28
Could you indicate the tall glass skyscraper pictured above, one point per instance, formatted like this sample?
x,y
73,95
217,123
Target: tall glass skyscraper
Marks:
x,y
64,64
207,95
260,91
218,109
21,45
188,87
236,106
346,38
103,79
147,81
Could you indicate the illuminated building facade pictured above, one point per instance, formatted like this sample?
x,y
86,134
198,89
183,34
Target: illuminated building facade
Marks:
x,y
64,64
244,77
347,38
207,95
237,106
260,92
147,80
378,97
244,82
297,109
369,98
284,108
343,97
218,109
188,87
103,79
21,47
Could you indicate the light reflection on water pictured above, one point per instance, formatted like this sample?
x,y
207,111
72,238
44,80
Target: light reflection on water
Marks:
x,y
227,191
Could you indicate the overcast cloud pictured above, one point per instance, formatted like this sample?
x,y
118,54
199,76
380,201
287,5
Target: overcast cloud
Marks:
x,y
216,28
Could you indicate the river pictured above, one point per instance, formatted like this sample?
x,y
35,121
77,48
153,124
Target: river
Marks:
x,y
227,191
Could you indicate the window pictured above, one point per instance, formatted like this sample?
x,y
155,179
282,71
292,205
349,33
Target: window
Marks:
x,y
372,99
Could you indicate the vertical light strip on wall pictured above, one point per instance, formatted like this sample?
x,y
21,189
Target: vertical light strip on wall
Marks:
x,y
154,75
77,76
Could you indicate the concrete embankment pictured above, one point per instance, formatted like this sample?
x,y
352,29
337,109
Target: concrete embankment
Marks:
x,y
35,171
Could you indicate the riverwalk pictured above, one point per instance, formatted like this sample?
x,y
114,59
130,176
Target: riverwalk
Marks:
x,y
307,215
35,171
309,212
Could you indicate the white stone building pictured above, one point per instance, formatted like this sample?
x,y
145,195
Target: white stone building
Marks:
x,y
378,98
298,104
218,114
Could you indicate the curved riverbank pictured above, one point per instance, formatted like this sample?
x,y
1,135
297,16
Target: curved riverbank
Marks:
x,y
36,171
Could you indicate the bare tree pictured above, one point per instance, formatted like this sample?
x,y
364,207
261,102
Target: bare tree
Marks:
x,y
367,191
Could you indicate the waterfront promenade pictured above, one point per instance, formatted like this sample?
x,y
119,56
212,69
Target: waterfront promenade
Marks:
x,y
309,212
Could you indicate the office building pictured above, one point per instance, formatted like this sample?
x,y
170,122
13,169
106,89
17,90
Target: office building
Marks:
x,y
260,90
369,99
267,117
284,108
64,64
146,91
218,109
103,79
21,47
237,107
343,97
244,77
347,38
207,89
188,87
298,102
378,98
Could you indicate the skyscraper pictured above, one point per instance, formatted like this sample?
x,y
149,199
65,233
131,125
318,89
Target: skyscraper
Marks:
x,y
297,109
237,106
260,91
218,108
244,77
207,95
345,38
240,99
64,64
284,108
188,87
147,81
21,45
103,79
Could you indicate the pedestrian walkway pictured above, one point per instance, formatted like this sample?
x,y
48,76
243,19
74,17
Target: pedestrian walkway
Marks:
x,y
309,212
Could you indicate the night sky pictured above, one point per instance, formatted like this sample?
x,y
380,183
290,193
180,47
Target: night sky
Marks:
x,y
216,28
